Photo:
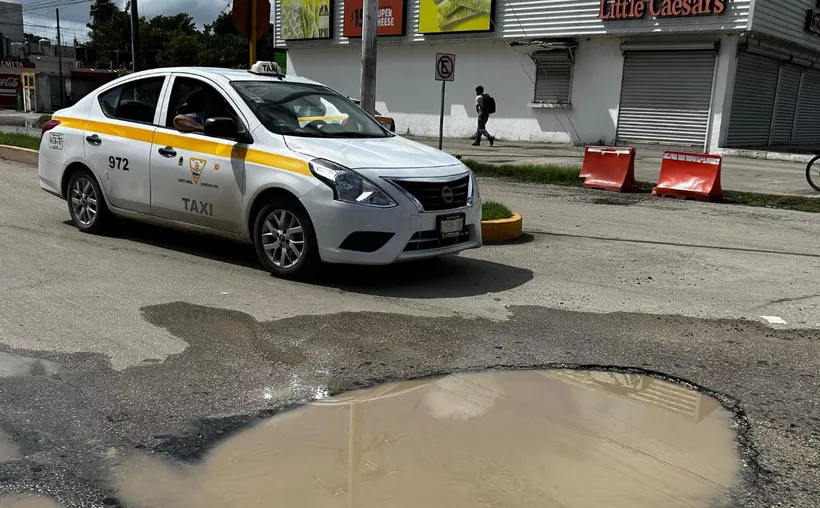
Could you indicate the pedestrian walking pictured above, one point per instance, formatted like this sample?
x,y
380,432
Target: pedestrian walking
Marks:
x,y
484,106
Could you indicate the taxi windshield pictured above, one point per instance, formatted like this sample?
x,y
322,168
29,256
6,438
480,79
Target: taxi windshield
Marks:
x,y
300,109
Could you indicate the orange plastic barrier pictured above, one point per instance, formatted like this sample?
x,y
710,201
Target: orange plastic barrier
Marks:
x,y
609,168
690,176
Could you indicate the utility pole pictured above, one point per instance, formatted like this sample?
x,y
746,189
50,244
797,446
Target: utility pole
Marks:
x,y
367,95
60,61
254,36
135,36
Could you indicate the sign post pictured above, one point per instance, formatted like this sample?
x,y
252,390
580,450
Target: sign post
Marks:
x,y
445,71
251,19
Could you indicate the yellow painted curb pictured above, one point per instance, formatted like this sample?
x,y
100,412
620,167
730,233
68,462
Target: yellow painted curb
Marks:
x,y
17,154
501,230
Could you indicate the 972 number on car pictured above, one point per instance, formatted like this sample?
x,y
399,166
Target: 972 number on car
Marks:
x,y
118,163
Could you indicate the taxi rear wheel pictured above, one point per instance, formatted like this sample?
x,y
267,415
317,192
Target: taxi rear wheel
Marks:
x,y
285,239
86,203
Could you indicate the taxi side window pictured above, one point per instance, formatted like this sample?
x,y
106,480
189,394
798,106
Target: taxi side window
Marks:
x,y
135,101
198,99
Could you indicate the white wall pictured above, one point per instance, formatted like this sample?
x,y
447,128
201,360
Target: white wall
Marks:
x,y
407,91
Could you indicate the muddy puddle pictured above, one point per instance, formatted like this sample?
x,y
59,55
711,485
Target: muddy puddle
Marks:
x,y
15,366
514,438
27,502
8,451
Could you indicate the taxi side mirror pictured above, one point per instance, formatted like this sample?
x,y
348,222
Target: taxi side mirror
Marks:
x,y
224,127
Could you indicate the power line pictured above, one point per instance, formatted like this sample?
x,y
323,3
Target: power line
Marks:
x,y
54,4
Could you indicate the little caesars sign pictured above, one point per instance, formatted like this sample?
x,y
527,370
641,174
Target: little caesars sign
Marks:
x,y
635,9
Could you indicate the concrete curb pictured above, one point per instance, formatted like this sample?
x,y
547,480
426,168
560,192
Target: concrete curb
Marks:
x,y
501,230
17,154
764,155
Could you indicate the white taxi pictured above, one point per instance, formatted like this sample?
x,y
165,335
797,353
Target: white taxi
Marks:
x,y
228,152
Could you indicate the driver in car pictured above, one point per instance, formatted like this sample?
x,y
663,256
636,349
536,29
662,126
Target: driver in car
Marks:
x,y
204,104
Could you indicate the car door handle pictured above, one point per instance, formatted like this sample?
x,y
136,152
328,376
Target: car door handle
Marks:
x,y
167,152
93,140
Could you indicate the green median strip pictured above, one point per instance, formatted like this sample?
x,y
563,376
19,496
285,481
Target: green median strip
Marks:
x,y
555,175
549,174
564,175
21,140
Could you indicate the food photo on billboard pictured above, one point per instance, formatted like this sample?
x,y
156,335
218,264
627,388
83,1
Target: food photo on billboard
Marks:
x,y
306,19
453,16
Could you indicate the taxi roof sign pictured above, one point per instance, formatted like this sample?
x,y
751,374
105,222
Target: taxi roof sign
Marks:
x,y
262,67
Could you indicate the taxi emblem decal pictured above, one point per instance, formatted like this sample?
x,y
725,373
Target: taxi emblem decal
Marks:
x,y
197,167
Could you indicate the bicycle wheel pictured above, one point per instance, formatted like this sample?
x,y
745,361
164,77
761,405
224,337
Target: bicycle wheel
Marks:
x,y
813,173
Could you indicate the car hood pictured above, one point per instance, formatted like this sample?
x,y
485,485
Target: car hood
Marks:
x,y
373,153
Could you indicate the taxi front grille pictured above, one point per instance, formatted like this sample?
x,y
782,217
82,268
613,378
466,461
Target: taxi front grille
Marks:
x,y
435,196
427,240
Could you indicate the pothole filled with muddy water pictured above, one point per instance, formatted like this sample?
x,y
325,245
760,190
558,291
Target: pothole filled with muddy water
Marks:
x,y
511,438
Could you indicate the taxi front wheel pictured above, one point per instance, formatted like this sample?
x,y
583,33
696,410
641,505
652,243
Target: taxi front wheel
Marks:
x,y
285,240
86,203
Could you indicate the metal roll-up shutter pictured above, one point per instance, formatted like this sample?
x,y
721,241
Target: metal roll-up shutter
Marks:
x,y
786,104
553,75
665,97
807,125
753,101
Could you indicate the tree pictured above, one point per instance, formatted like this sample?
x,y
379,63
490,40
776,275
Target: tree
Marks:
x,y
33,38
168,40
109,36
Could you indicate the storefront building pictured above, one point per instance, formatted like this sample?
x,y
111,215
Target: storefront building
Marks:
x,y
690,73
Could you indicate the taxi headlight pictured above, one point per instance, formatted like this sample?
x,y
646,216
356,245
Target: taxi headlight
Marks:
x,y
472,195
348,186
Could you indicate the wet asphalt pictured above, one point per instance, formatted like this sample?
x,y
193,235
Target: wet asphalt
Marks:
x,y
193,372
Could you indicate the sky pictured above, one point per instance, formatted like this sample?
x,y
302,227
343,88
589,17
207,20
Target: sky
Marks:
x,y
39,16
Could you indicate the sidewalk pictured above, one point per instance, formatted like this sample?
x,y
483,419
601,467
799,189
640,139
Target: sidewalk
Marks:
x,y
738,173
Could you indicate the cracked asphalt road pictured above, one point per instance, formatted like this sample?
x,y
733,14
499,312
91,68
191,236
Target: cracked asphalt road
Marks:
x,y
156,341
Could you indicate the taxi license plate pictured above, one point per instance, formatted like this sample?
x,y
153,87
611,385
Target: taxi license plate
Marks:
x,y
55,141
450,226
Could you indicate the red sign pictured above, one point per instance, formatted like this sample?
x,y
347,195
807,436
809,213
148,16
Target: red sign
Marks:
x,y
17,64
635,9
8,89
391,18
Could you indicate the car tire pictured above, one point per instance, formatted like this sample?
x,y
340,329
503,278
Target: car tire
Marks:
x,y
279,227
86,203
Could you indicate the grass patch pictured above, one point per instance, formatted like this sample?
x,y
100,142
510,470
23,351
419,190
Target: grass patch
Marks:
x,y
43,119
799,203
19,139
562,175
493,210
556,175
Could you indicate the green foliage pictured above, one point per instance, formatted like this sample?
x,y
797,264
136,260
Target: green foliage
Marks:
x,y
493,210
542,173
560,175
19,139
168,41
33,38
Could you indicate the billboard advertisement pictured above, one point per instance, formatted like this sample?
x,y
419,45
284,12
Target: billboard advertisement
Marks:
x,y
391,18
453,16
305,19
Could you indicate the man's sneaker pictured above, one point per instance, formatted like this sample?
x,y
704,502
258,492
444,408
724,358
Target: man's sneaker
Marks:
x,y
479,144
492,141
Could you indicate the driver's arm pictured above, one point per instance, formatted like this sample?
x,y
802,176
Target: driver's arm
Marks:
x,y
185,123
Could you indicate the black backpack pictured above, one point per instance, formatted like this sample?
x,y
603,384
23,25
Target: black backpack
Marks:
x,y
489,104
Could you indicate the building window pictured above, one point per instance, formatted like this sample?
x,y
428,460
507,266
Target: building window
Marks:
x,y
553,76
